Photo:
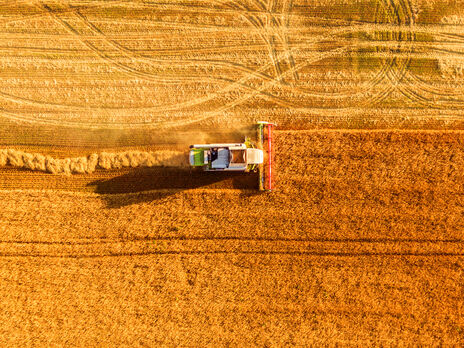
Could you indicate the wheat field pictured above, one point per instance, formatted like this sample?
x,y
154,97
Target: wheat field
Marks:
x,y
108,238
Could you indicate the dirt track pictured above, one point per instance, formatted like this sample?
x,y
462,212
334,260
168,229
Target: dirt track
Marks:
x,y
360,244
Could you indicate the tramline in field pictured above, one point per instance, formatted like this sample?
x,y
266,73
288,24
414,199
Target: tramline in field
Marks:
x,y
241,157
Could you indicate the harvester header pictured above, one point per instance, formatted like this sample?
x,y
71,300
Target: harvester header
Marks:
x,y
266,143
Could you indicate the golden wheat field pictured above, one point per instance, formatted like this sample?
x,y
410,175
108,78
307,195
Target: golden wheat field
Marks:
x,y
108,238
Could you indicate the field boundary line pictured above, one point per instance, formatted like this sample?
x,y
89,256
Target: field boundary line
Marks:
x,y
238,245
224,252
93,241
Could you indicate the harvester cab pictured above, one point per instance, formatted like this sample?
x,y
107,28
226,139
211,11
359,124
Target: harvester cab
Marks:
x,y
240,157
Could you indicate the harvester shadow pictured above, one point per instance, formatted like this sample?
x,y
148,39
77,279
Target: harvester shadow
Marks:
x,y
141,185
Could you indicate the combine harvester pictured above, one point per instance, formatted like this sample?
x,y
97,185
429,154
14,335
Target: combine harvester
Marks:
x,y
241,157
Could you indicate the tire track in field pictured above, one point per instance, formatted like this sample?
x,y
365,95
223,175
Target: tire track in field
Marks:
x,y
96,29
206,115
271,27
42,14
223,252
288,6
258,24
366,88
61,122
96,5
416,89
123,67
277,30
260,10
370,84
233,246
246,97
249,72
394,72
135,55
90,241
428,94
384,73
196,101
442,91
232,85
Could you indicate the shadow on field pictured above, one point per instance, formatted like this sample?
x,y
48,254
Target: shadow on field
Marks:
x,y
167,181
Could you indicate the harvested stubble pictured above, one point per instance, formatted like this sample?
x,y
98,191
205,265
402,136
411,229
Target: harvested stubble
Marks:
x,y
81,165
